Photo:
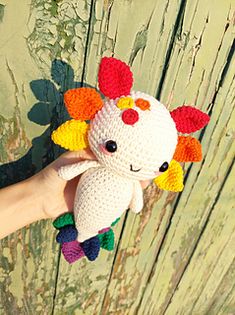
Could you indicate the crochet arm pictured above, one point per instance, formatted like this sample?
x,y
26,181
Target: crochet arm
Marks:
x,y
137,202
68,172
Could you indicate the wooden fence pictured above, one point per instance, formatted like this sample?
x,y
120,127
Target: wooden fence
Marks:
x,y
178,255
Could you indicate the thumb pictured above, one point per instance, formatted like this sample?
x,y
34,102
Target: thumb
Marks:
x,y
71,157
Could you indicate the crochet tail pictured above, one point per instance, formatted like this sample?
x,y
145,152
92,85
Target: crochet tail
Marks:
x,y
71,249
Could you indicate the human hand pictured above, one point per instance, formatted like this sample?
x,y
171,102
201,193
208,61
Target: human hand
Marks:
x,y
42,196
57,194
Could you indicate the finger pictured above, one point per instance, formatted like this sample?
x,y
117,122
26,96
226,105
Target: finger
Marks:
x,y
69,192
80,155
71,157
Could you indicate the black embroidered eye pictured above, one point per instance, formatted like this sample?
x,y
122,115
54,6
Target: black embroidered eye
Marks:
x,y
111,146
164,167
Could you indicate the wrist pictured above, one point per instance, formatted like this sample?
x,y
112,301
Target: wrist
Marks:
x,y
30,202
20,206
37,196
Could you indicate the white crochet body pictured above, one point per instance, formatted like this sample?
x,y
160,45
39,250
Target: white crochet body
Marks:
x,y
106,196
110,185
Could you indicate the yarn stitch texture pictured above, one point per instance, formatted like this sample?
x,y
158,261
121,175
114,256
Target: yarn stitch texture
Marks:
x,y
63,220
172,179
142,104
107,240
144,134
67,233
72,135
72,251
125,102
188,149
115,78
83,103
189,119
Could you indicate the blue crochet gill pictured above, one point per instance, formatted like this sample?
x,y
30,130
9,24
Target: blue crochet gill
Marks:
x,y
91,248
67,234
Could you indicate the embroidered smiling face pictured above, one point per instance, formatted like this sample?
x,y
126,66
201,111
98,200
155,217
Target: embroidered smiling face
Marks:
x,y
134,136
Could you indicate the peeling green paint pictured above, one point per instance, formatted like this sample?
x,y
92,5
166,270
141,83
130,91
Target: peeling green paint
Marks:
x,y
139,44
2,8
179,50
12,134
16,287
59,32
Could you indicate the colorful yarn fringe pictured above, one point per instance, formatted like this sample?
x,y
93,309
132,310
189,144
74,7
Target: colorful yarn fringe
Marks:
x,y
72,249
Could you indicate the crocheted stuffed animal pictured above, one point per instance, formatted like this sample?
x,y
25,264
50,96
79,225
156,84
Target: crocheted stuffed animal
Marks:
x,y
134,137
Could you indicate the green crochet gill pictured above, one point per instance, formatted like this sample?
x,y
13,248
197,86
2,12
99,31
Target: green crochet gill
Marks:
x,y
65,219
115,222
107,240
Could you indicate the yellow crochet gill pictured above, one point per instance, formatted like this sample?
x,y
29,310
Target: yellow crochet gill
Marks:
x,y
72,135
172,179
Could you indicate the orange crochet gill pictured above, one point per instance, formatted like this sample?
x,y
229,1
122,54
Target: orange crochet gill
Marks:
x,y
83,103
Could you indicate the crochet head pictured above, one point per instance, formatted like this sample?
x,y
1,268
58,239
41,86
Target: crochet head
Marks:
x,y
133,136
131,133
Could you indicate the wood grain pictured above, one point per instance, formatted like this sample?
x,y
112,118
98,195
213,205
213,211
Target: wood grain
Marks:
x,y
32,85
104,29
177,256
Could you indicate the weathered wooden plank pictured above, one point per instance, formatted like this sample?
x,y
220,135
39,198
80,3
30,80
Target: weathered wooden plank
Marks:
x,y
193,211
32,34
177,49
130,277
28,271
137,33
222,301
141,238
111,32
201,47
211,260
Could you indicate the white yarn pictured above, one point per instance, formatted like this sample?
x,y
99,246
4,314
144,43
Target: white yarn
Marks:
x,y
146,145
108,187
70,171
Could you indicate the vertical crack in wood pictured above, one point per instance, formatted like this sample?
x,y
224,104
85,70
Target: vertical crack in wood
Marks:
x,y
200,235
218,258
209,311
56,282
87,42
177,27
114,260
222,77
159,251
82,81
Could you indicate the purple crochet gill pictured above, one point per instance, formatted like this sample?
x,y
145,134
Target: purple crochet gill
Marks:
x,y
72,251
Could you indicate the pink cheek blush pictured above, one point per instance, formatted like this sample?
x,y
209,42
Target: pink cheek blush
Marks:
x,y
157,173
103,150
